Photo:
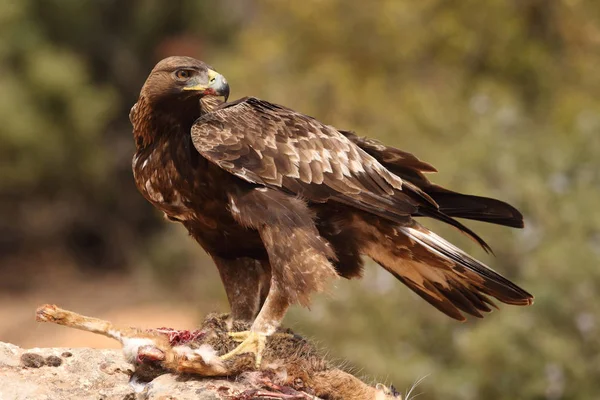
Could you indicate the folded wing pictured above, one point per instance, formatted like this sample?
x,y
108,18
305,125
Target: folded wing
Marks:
x,y
267,144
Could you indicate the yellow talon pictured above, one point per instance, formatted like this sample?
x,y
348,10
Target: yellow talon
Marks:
x,y
251,342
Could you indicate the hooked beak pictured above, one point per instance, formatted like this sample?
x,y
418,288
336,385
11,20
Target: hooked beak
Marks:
x,y
217,85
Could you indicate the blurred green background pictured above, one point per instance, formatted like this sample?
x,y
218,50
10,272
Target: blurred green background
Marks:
x,y
502,96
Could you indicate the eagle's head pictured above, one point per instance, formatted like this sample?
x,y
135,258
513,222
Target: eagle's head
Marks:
x,y
175,94
177,80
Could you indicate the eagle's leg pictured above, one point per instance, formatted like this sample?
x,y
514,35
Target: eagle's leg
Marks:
x,y
266,323
246,283
299,258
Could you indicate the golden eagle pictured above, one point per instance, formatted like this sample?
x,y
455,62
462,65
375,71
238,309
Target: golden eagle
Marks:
x,y
283,202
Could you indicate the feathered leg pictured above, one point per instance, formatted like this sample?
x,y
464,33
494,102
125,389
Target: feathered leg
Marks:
x,y
246,283
298,255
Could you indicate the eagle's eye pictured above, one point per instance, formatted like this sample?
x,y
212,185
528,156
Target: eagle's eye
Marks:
x,y
183,74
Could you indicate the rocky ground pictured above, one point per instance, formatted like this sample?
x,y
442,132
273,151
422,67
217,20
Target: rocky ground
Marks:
x,y
103,374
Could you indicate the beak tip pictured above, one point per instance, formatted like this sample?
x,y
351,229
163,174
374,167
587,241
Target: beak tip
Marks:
x,y
223,87
226,94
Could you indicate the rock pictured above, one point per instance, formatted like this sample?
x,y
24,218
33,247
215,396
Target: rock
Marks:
x,y
103,374
32,360
47,374
53,361
166,386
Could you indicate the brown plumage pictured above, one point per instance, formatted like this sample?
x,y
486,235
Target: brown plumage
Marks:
x,y
283,202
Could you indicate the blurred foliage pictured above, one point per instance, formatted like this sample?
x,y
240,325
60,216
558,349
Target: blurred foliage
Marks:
x,y
503,97
70,72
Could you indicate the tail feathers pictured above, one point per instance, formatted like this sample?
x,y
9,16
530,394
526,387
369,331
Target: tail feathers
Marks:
x,y
445,276
477,208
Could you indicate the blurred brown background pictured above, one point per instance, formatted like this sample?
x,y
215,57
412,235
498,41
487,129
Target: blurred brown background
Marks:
x,y
501,96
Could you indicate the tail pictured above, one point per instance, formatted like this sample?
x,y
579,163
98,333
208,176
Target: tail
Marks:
x,y
442,274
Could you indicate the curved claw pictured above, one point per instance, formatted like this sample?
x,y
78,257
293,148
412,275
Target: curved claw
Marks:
x,y
251,342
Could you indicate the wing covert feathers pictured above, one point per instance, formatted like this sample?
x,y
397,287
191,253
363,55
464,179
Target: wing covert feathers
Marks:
x,y
271,145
